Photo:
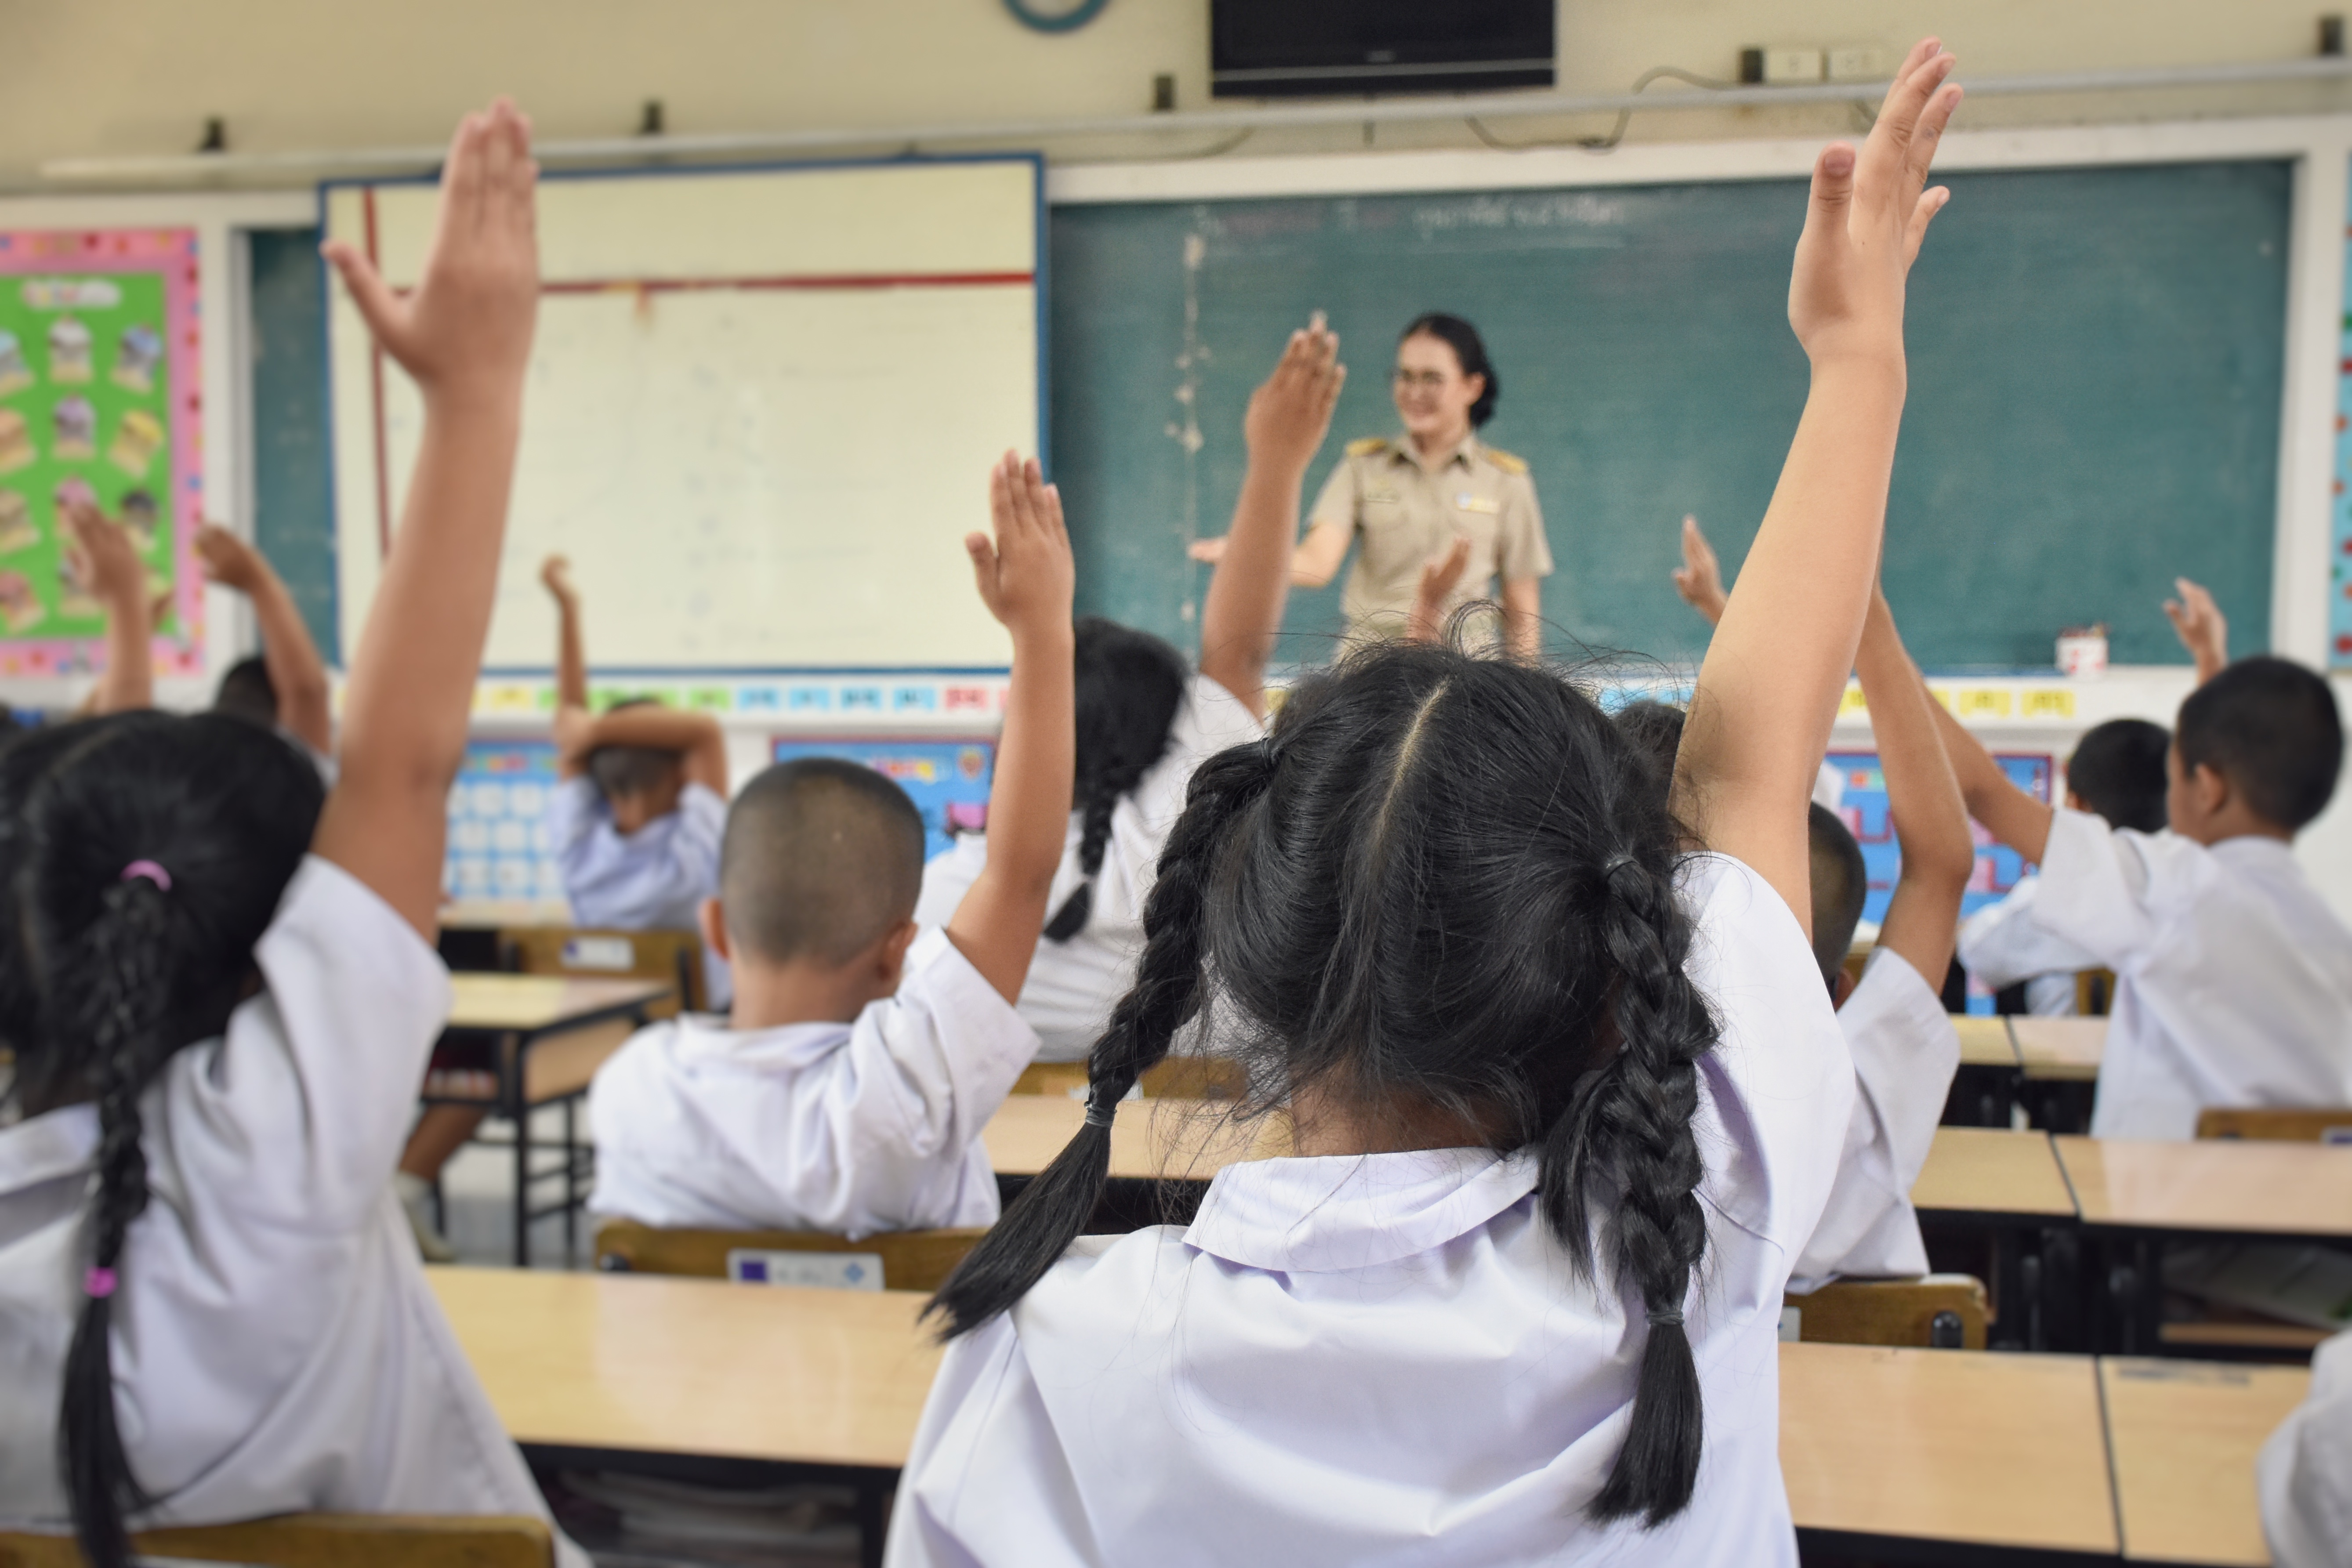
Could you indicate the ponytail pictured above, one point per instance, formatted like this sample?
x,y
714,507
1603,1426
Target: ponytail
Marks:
x,y
1626,1139
122,1014
1127,688
1099,790
1052,1211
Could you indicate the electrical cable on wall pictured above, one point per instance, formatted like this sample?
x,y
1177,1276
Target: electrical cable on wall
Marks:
x,y
1624,116
1068,21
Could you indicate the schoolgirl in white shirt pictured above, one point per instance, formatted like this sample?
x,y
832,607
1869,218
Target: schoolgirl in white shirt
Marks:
x,y
1558,1089
210,1307
1144,723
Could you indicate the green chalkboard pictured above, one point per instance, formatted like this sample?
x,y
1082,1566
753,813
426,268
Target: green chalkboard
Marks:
x,y
2096,358
293,498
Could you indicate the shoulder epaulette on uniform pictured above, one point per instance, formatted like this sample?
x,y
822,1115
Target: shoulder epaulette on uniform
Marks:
x,y
1367,446
1508,462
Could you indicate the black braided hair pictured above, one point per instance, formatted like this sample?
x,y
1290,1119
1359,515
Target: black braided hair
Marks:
x,y
105,972
1052,1209
1445,885
1128,687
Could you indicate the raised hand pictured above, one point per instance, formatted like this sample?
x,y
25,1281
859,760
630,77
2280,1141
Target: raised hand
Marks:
x,y
467,326
555,576
1439,575
1291,410
1026,577
228,559
103,558
1867,215
2197,621
1209,551
1699,579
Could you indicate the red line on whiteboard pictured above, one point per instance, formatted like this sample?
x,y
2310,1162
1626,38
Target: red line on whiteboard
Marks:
x,y
819,280
375,380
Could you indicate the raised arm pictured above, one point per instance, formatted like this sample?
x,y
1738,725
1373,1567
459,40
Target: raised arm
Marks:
x,y
1439,575
1770,687
1287,417
108,564
1026,579
570,652
1699,579
463,334
297,674
2202,627
2008,813
1931,825
698,738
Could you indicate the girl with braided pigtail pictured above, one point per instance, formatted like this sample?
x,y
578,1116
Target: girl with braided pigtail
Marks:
x,y
1565,1093
1145,722
220,992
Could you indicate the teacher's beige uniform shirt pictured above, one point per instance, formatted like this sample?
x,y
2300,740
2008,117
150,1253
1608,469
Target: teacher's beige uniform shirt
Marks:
x,y
1404,514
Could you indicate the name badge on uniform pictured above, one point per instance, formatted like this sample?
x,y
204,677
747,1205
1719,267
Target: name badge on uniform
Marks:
x,y
1382,497
1468,503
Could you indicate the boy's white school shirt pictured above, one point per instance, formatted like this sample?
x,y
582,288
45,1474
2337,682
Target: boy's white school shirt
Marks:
x,y
1388,1358
1074,984
2305,1473
847,1128
653,879
2233,978
276,1346
1905,1052
2002,944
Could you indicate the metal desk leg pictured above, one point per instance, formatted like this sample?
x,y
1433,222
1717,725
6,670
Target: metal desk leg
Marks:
x,y
521,1113
873,1517
571,1182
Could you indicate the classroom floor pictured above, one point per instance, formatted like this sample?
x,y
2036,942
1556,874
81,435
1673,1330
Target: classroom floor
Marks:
x,y
478,1187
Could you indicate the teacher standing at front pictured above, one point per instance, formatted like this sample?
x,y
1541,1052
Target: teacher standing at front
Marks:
x,y
1410,497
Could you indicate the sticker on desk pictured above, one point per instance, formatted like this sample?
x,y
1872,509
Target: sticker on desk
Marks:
x,y
1793,1325
612,953
816,1270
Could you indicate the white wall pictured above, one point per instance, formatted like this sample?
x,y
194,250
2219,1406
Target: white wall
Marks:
x,y
119,76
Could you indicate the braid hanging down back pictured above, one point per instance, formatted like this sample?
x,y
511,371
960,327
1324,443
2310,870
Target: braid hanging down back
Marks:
x,y
1128,687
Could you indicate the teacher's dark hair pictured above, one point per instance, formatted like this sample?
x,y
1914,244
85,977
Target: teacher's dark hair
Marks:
x,y
1442,881
1470,349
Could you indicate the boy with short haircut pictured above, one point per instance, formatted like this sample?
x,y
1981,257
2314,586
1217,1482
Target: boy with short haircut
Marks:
x,y
847,1088
284,688
2233,978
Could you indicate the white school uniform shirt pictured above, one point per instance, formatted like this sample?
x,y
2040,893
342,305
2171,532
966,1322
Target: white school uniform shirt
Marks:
x,y
1389,1358
276,1347
2002,944
846,1128
1829,785
1905,1052
2305,1473
1074,984
653,879
2233,978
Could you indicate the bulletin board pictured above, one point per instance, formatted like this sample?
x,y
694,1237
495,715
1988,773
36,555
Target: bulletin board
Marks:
x,y
947,779
99,400
761,409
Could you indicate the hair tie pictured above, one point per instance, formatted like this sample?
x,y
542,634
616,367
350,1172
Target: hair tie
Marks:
x,y
1622,861
1098,1113
99,1283
1667,1317
150,870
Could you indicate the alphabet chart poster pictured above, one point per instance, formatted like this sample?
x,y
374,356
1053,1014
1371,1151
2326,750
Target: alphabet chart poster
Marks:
x,y
99,402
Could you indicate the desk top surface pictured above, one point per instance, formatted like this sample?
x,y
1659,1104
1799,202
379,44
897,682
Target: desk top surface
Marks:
x,y
1151,1139
2059,1047
487,1001
2184,1434
697,1366
2237,1186
1947,1445
1988,1170
1984,1042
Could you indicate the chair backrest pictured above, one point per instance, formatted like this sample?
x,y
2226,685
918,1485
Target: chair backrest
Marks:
x,y
2095,991
671,956
1946,1312
320,1541
911,1259
1174,1077
2300,1124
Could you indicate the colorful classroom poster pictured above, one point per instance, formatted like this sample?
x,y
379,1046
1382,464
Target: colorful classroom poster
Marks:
x,y
2339,575
948,780
98,400
499,847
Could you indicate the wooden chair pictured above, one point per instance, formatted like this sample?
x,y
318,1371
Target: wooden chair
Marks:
x,y
2300,1124
1176,1077
1945,1311
674,956
911,1259
320,1540
2095,991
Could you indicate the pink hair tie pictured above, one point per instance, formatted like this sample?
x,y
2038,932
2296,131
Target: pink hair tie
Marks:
x,y
149,869
99,1283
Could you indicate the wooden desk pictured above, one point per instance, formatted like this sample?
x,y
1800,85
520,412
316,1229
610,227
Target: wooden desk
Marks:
x,y
1985,1042
2064,1048
1985,1171
1966,1446
1150,1140
499,914
2240,1188
2183,1435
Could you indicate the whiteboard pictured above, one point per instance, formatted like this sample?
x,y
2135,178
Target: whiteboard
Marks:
x,y
761,411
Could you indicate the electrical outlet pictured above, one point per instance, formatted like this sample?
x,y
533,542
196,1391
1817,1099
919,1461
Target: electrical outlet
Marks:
x,y
1787,66
1862,62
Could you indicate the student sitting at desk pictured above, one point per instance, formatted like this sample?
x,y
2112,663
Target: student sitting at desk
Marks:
x,y
2305,1474
846,1091
2233,978
2118,771
284,688
210,1309
1144,723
